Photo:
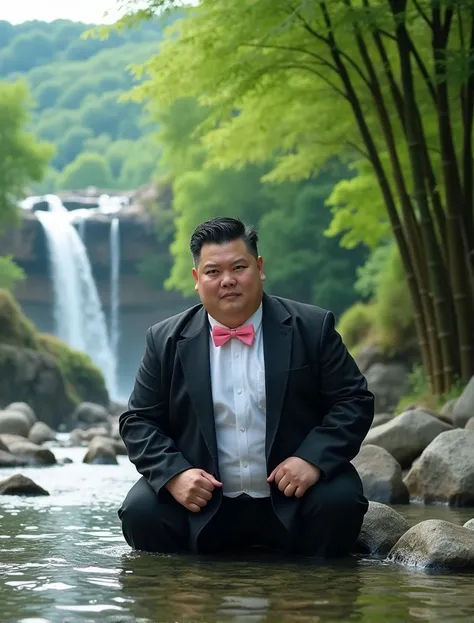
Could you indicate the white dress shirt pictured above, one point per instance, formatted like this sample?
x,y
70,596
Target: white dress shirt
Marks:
x,y
238,394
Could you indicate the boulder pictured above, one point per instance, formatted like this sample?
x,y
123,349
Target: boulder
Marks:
x,y
388,382
40,433
30,452
381,529
101,451
89,414
9,460
470,424
381,476
463,410
24,408
381,418
81,437
445,470
14,423
435,544
447,410
407,435
20,485
469,524
36,378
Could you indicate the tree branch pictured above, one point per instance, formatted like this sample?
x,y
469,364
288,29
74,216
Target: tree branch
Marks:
x,y
422,13
321,60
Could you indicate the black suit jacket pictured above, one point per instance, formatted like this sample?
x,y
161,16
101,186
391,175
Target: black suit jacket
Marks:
x,y
318,404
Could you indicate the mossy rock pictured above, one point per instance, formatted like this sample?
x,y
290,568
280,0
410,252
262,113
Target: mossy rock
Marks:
x,y
84,380
15,328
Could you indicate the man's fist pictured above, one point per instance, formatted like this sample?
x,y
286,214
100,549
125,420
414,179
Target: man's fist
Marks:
x,y
193,488
295,476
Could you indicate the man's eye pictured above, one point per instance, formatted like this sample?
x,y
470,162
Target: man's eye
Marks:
x,y
211,272
240,267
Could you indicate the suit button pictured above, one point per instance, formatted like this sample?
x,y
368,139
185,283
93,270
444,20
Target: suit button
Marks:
x,y
239,391
245,464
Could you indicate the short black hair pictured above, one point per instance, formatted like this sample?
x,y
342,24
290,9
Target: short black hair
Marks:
x,y
220,230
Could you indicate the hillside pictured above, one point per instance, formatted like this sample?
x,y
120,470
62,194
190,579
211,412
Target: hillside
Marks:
x,y
76,84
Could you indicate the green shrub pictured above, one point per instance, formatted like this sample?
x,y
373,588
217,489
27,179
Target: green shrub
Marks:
x,y
421,394
356,324
84,380
10,273
15,328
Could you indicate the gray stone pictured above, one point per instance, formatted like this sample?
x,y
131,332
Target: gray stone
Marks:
x,y
381,476
469,524
388,382
24,408
445,470
35,455
381,418
407,435
40,433
20,485
463,410
435,544
9,460
101,451
470,424
381,529
89,414
14,423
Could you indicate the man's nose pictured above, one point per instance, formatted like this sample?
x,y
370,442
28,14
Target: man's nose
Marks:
x,y
227,279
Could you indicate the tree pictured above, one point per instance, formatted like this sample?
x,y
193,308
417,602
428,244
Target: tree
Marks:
x,y
387,85
86,170
22,160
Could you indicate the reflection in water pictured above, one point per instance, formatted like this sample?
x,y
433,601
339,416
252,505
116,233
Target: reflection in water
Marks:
x,y
63,559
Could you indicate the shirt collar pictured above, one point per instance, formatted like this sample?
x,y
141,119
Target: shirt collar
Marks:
x,y
255,319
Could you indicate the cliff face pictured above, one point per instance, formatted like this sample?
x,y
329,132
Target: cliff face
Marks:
x,y
140,304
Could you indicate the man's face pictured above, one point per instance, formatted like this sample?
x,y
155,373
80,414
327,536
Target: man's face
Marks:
x,y
229,281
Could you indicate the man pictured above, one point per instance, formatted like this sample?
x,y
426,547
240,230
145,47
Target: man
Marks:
x,y
245,415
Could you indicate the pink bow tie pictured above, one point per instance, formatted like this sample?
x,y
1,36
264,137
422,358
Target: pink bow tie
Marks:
x,y
221,335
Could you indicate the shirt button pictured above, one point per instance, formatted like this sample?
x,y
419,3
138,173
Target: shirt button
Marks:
x,y
239,391
245,464
237,355
242,429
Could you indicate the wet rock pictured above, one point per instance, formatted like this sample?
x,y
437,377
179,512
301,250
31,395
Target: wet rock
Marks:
x,y
381,418
389,382
14,423
101,451
40,433
470,424
469,524
33,454
463,410
381,529
381,476
81,437
20,485
89,414
407,435
23,407
9,460
435,544
445,470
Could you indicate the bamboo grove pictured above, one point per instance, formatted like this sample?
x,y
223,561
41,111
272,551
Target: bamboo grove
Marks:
x,y
404,72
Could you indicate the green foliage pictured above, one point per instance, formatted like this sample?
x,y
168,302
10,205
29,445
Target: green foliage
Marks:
x,y
15,328
22,159
84,380
421,394
87,170
10,273
356,324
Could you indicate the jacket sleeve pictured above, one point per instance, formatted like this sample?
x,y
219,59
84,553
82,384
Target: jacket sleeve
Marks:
x,y
347,403
144,427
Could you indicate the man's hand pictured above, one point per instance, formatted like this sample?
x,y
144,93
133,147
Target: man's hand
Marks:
x,y
193,488
295,476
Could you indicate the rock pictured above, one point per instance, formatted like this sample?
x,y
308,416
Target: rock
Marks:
x,y
36,378
470,424
82,437
89,414
14,423
369,355
114,427
35,455
407,435
388,382
463,410
469,524
435,544
20,485
381,418
9,460
24,408
101,451
445,470
381,529
381,476
447,409
120,448
40,433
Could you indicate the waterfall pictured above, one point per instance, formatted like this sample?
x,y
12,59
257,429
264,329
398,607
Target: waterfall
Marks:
x,y
78,314
114,288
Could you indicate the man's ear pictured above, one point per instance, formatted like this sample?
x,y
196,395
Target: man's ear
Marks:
x,y
196,279
260,268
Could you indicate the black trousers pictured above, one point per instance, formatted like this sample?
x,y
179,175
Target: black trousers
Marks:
x,y
328,521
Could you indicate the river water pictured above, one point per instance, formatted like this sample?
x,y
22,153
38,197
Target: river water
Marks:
x,y
63,560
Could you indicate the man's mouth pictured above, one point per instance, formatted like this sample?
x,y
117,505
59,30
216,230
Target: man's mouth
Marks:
x,y
229,295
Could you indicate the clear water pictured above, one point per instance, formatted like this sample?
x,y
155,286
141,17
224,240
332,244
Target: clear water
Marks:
x,y
63,559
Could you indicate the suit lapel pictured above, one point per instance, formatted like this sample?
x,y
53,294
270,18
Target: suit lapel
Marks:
x,y
277,340
194,356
